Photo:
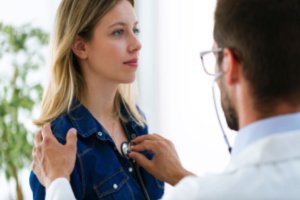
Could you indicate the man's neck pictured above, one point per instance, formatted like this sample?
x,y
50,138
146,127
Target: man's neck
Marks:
x,y
250,115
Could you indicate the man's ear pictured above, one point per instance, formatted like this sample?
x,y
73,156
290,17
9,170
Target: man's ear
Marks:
x,y
79,48
231,67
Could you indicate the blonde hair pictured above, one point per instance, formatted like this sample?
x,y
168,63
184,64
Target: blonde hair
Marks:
x,y
77,17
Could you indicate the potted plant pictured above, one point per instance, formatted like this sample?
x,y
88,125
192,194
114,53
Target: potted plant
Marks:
x,y
21,56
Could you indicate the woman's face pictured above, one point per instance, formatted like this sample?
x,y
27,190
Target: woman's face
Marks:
x,y
112,53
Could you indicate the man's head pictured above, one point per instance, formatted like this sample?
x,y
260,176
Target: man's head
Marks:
x,y
263,37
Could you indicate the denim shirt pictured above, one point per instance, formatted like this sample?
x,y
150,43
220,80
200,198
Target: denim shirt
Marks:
x,y
101,172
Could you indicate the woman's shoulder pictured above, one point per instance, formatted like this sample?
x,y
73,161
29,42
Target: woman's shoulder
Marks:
x,y
60,126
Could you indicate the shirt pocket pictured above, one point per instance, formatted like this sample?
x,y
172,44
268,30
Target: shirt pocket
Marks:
x,y
114,187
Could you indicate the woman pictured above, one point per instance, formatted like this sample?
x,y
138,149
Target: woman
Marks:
x,y
95,61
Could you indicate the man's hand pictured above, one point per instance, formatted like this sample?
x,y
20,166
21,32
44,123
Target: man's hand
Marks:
x,y
51,159
165,164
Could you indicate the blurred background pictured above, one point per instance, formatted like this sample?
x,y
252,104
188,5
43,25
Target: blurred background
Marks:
x,y
174,91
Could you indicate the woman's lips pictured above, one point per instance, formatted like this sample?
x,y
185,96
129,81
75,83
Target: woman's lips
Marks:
x,y
132,63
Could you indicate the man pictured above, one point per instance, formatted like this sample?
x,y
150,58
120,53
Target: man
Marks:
x,y
258,68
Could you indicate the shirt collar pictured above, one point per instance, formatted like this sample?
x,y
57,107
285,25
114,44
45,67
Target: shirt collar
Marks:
x,y
264,128
87,125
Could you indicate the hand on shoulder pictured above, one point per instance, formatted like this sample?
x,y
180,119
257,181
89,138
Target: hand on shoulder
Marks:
x,y
51,159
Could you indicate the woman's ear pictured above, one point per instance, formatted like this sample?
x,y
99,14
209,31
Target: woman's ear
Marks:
x,y
231,67
79,48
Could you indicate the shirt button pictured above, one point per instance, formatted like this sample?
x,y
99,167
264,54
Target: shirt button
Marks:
x,y
115,186
130,169
100,133
133,135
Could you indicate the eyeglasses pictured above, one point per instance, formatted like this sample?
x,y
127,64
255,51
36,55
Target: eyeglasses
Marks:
x,y
208,60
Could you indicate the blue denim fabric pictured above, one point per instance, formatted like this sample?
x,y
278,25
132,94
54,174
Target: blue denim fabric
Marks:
x,y
100,171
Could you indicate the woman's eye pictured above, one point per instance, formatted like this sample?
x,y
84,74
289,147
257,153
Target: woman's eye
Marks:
x,y
136,31
118,32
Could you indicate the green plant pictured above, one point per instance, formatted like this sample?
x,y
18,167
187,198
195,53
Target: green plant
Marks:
x,y
20,58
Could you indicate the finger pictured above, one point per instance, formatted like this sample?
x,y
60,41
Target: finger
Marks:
x,y
34,158
36,151
139,139
33,152
37,171
38,138
35,162
34,167
145,145
145,137
160,137
72,137
141,160
47,133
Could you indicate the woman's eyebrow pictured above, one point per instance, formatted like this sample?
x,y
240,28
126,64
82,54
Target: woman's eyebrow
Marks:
x,y
120,23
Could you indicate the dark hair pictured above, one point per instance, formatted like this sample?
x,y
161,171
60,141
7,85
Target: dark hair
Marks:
x,y
265,37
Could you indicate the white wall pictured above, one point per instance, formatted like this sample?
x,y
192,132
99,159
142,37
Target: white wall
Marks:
x,y
176,93
185,110
37,12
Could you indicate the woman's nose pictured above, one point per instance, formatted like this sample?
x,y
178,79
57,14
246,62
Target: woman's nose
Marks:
x,y
134,44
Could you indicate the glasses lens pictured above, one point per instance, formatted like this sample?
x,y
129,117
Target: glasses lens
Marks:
x,y
209,61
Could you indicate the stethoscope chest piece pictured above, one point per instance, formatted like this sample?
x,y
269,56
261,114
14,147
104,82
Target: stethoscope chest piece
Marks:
x,y
125,149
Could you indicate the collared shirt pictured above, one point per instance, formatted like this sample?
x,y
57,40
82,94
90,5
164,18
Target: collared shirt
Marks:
x,y
264,128
100,171
264,166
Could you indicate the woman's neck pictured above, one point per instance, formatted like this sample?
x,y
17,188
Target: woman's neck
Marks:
x,y
99,99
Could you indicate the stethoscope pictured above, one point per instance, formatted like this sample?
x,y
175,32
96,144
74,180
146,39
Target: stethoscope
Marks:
x,y
125,150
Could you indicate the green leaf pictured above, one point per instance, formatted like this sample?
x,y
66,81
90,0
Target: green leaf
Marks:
x,y
18,94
